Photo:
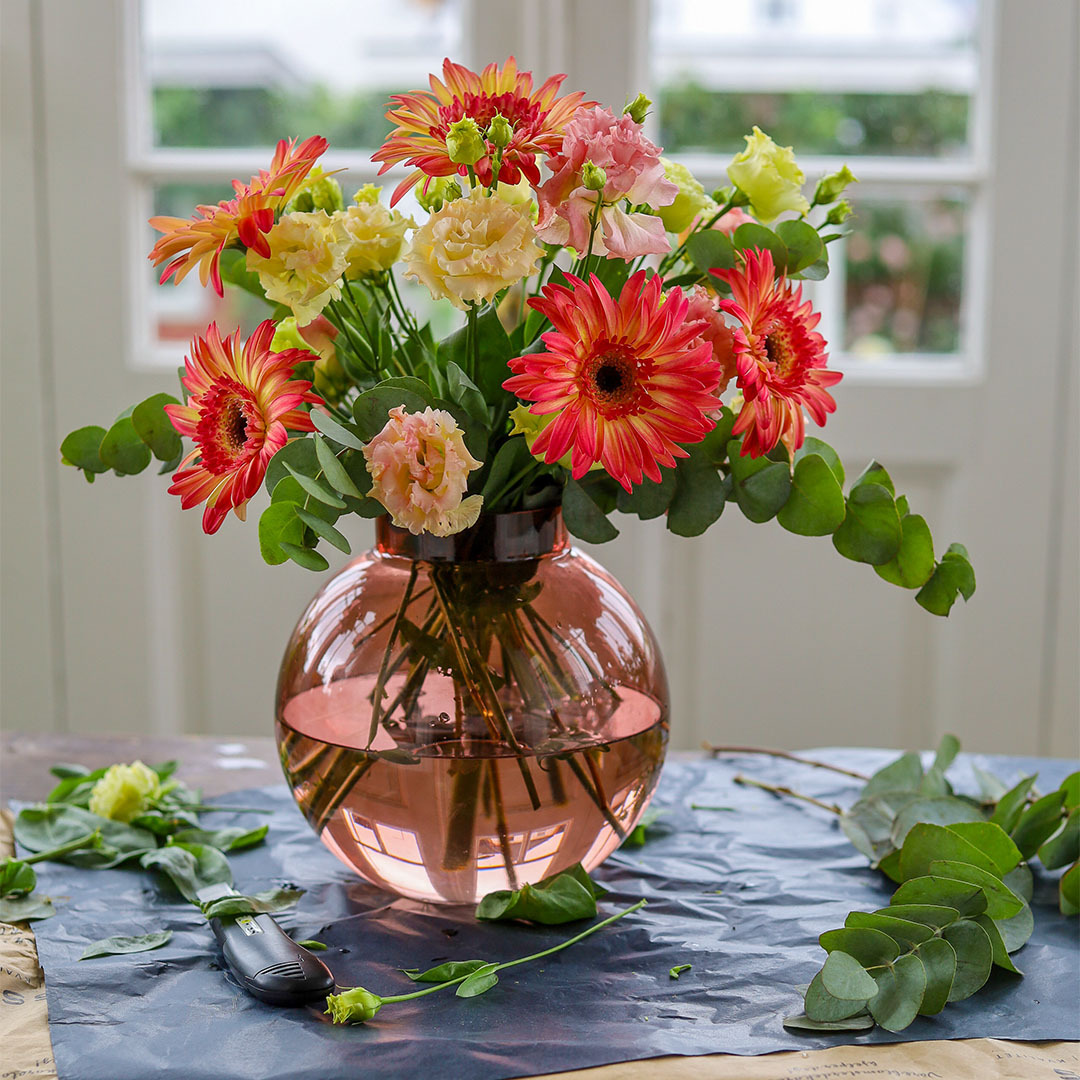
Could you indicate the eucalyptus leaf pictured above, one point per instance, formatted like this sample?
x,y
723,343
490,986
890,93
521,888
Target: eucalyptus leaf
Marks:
x,y
82,448
953,576
699,496
1069,891
871,530
1016,932
906,934
969,900
1038,823
992,841
974,957
900,993
1001,901
945,810
115,946
932,915
822,1007
122,450
752,235
153,426
938,959
371,409
1063,847
815,506
323,529
803,243
305,557
997,945
334,471
913,562
926,843
802,1022
299,453
844,977
649,499
761,486
903,774
336,431
870,947
315,488
710,249
1011,804
278,524
824,451
583,518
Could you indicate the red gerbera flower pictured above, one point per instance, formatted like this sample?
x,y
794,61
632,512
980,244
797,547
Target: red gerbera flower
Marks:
x,y
241,403
201,239
780,357
537,118
629,380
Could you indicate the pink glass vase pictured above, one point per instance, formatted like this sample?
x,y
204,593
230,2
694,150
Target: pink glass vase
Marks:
x,y
463,714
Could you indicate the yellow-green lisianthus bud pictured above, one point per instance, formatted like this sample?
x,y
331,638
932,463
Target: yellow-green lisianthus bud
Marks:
x,y
839,212
464,143
689,203
441,190
124,792
638,109
831,187
530,425
593,177
353,1006
368,195
500,132
320,192
769,177
287,336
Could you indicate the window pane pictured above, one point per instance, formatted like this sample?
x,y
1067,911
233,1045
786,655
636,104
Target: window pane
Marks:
x,y
827,76
325,67
904,273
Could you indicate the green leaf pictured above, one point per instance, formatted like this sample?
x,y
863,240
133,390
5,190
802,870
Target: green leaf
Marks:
x,y
933,915
466,393
278,523
1011,805
42,828
844,977
761,486
1001,901
371,409
871,531
1071,786
560,898
1021,881
190,867
494,349
678,969
114,946
997,946
802,1022
900,993
803,243
649,499
952,576
1038,823
939,965
914,561
1069,891
752,235
265,902
313,946
25,908
479,982
82,449
334,471
299,453
904,933
315,489
815,506
305,557
123,450
823,1008
153,426
875,473
1016,932
870,947
903,774
232,838
335,431
699,495
944,810
452,969
583,517
16,878
709,250
822,450
966,898
990,786
232,265
947,750
324,529
926,843
1064,846
75,789
992,841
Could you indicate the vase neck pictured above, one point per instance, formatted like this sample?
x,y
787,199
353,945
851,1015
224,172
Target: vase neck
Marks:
x,y
521,534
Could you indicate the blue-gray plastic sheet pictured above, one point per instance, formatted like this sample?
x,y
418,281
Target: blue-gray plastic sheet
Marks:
x,y
741,894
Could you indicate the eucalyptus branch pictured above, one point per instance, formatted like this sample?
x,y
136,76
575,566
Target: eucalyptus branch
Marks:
x,y
735,751
781,789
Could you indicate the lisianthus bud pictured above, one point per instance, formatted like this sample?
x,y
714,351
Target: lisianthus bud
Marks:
x,y
593,177
464,142
831,187
838,212
124,791
319,192
500,132
368,195
353,1006
441,190
690,201
287,336
638,109
769,176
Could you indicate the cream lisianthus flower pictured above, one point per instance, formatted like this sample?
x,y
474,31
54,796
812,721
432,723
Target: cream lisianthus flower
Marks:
x,y
769,176
373,236
420,469
305,266
124,791
473,247
689,203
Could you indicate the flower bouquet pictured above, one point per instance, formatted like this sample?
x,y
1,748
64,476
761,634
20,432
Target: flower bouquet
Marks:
x,y
475,704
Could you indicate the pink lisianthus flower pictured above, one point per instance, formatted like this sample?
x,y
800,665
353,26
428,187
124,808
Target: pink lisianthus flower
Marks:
x,y
705,306
634,173
420,470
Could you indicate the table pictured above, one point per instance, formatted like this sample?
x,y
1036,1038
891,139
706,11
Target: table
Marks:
x,y
219,765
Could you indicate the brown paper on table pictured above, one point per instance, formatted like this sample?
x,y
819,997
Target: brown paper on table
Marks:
x,y
24,1018
24,1036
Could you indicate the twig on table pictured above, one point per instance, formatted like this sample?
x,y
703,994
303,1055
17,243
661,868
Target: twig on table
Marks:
x,y
731,751
780,789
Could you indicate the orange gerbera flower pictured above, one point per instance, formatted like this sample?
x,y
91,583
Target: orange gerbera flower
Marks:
x,y
779,356
241,403
629,379
200,240
537,119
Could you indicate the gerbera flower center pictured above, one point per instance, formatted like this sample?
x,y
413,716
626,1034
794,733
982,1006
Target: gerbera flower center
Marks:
x,y
779,350
612,378
228,430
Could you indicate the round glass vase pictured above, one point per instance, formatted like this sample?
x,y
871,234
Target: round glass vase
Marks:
x,y
470,713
